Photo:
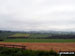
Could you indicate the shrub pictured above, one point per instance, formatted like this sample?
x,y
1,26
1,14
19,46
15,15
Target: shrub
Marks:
x,y
4,51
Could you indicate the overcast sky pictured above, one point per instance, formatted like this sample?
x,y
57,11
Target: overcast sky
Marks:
x,y
28,15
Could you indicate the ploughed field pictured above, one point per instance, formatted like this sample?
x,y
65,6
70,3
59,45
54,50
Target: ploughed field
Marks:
x,y
45,46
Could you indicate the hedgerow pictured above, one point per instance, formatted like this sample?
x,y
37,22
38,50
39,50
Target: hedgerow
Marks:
x,y
5,51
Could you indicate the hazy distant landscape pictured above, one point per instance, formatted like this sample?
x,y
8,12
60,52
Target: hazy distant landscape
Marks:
x,y
35,36
37,27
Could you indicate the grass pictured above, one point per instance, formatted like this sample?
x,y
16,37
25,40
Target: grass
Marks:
x,y
19,35
40,40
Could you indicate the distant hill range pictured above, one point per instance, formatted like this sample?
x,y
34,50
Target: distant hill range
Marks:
x,y
39,34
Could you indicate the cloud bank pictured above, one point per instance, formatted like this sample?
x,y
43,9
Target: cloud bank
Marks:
x,y
29,15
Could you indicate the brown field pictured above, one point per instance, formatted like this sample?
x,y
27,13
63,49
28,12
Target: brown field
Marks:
x,y
46,46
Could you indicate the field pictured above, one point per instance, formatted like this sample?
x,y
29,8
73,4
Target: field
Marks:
x,y
46,46
40,40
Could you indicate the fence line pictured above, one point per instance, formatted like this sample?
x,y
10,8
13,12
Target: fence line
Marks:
x,y
13,46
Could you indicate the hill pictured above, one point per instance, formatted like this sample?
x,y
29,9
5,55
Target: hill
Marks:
x,y
38,35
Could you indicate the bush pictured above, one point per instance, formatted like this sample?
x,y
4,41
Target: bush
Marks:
x,y
4,51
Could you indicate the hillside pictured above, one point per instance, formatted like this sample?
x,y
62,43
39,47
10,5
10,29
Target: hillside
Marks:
x,y
38,35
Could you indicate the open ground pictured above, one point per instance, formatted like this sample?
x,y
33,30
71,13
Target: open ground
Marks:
x,y
46,46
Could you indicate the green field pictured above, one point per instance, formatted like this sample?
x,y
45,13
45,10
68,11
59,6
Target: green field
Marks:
x,y
39,40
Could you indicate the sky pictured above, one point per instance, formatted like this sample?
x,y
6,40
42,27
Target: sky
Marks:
x,y
35,15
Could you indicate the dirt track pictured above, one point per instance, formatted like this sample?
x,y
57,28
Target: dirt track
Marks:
x,y
46,46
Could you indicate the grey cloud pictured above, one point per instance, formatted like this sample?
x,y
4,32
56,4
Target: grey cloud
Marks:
x,y
37,14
